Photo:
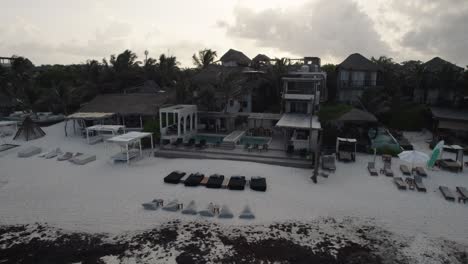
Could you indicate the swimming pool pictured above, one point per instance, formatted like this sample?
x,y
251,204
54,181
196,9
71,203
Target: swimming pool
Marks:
x,y
254,140
212,139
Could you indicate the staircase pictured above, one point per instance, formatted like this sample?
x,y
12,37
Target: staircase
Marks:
x,y
227,145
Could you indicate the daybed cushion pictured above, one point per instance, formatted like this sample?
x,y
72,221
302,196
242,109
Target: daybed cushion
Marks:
x,y
29,151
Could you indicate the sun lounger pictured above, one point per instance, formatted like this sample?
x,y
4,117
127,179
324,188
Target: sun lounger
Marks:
x,y
387,170
372,170
5,147
328,162
225,212
419,184
204,181
246,213
250,148
421,172
29,152
447,193
172,206
54,153
209,211
405,170
236,183
178,142
410,182
191,208
174,177
450,165
258,184
194,179
399,183
153,205
83,159
65,156
215,181
463,192
190,143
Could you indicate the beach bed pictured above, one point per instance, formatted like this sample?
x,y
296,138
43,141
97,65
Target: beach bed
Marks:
x,y
258,184
419,184
345,156
29,152
225,183
463,194
328,162
236,183
450,165
399,183
410,182
447,193
372,170
405,170
215,181
174,177
387,170
420,171
194,179
83,159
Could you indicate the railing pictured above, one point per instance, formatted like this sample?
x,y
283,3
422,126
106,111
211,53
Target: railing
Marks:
x,y
362,84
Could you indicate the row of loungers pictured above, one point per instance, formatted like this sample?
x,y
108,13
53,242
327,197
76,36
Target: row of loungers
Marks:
x,y
216,181
449,196
76,158
387,170
211,210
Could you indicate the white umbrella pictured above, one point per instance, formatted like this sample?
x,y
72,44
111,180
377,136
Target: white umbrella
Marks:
x,y
413,156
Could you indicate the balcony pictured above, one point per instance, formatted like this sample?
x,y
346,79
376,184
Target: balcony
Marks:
x,y
359,85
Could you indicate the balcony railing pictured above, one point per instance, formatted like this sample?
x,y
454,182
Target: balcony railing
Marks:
x,y
361,84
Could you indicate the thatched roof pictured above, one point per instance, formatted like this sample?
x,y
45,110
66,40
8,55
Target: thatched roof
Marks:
x,y
127,104
449,114
148,87
236,56
261,57
437,64
358,62
357,115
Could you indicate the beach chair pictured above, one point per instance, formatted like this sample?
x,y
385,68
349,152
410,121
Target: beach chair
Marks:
x,y
410,182
174,177
260,148
236,183
250,148
405,170
463,194
65,156
153,205
178,142
246,213
265,147
225,212
210,211
258,184
419,184
215,181
191,209
372,170
387,170
173,206
399,183
420,171
194,179
328,162
447,193
190,143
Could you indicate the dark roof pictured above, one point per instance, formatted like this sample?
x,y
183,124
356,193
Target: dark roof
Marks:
x,y
437,64
148,87
237,56
357,115
261,57
358,62
210,74
127,104
450,114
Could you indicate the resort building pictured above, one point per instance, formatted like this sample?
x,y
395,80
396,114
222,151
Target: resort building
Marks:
x,y
450,125
178,122
6,61
355,75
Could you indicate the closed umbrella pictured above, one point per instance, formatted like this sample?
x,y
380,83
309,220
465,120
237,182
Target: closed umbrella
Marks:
x,y
413,156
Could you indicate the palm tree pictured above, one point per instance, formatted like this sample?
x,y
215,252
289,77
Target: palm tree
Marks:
x,y
228,82
204,58
274,77
22,82
167,69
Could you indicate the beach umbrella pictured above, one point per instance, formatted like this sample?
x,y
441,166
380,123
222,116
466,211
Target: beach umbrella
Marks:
x,y
413,156
436,154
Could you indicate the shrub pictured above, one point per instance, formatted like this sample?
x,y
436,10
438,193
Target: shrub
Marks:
x,y
412,117
330,112
393,151
152,126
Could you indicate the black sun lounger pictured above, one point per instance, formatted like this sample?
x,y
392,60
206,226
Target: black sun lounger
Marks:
x,y
215,181
421,172
258,184
463,192
387,170
236,183
174,177
400,183
372,170
447,193
194,179
419,184
405,170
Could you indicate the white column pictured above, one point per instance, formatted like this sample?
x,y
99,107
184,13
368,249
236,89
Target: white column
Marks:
x,y
196,121
141,122
160,121
141,151
128,158
167,119
178,126
152,151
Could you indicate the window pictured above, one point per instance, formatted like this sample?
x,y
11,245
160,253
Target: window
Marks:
x,y
298,107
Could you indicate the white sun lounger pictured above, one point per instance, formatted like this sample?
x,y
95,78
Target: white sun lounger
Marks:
x,y
172,206
29,152
246,213
53,153
225,212
83,159
191,208
208,212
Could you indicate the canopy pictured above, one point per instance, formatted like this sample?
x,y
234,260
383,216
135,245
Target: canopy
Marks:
x,y
126,140
129,137
302,121
113,128
90,116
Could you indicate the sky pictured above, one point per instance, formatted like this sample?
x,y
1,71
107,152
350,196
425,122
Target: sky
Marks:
x,y
66,32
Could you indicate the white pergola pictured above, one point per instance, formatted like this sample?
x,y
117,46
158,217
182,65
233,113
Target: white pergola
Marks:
x,y
112,130
127,139
183,116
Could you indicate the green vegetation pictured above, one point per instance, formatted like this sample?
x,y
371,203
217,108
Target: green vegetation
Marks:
x,y
411,117
152,126
388,150
330,112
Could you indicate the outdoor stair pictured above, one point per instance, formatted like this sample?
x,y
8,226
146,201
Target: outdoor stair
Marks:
x,y
227,145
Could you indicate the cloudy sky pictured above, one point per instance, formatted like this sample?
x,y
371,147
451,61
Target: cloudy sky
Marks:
x,y
65,31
